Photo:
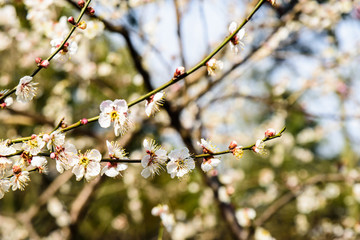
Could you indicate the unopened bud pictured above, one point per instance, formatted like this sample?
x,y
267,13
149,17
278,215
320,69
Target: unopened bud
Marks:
x,y
272,2
81,3
45,63
179,71
232,145
84,121
270,132
33,136
46,137
52,155
16,169
71,20
38,60
91,10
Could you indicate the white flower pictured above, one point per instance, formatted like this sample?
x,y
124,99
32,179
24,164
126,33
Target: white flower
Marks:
x,y
167,218
153,160
88,165
40,163
20,178
259,147
4,165
212,65
208,162
112,169
34,145
54,139
262,234
244,216
116,112
236,40
152,104
94,28
69,48
25,90
6,150
4,187
65,156
180,162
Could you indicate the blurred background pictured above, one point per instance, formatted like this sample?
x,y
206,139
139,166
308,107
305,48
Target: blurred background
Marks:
x,y
299,69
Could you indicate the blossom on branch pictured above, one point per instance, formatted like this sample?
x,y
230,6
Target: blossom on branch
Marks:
x,y
34,145
210,162
116,112
68,48
153,102
212,65
65,156
112,169
25,90
40,163
20,178
88,165
259,147
4,187
153,160
180,163
235,41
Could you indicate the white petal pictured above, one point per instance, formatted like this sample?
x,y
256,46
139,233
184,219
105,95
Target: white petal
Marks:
x,y
145,173
106,106
232,27
79,172
104,120
95,155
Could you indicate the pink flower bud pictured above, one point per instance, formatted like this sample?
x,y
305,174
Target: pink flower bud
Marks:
x,y
46,137
179,71
3,105
16,169
81,3
38,60
52,155
84,121
33,136
45,63
270,132
233,145
71,20
91,10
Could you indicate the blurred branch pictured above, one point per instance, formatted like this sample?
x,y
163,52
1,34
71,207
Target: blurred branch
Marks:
x,y
293,193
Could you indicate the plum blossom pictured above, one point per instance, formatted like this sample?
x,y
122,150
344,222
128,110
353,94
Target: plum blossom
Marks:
x,y
88,165
40,163
7,101
25,90
34,145
4,187
166,217
270,132
235,41
208,162
180,162
153,160
4,165
112,169
244,216
20,178
262,234
153,102
116,112
213,65
65,156
6,150
54,139
259,147
69,48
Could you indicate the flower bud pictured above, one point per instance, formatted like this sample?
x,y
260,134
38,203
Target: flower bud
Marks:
x,y
81,3
270,132
52,155
84,121
71,20
33,136
16,169
45,63
38,60
46,137
179,71
233,145
91,10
